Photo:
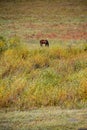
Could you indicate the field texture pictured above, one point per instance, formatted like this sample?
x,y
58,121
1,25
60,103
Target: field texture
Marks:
x,y
31,76
34,77
51,118
33,20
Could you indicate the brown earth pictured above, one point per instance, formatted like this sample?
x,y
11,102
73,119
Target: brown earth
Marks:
x,y
59,31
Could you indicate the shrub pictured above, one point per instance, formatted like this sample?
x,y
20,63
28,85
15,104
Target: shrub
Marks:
x,y
82,91
3,44
13,41
85,47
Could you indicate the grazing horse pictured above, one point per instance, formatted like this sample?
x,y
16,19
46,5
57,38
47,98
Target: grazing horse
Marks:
x,y
44,42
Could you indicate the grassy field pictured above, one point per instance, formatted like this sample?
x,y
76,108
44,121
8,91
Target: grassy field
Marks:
x,y
33,20
32,77
50,118
35,77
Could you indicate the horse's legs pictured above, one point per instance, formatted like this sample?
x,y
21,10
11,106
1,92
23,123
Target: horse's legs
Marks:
x,y
47,44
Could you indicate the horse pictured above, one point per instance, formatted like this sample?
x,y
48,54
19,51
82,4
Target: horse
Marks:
x,y
44,42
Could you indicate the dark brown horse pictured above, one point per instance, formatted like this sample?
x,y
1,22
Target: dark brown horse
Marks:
x,y
45,42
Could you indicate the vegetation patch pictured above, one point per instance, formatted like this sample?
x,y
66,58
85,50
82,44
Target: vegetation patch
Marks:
x,y
35,77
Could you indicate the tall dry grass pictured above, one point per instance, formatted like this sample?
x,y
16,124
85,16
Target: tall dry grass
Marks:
x,y
35,77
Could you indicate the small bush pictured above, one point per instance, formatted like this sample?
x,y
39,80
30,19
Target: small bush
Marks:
x,y
82,91
85,47
13,41
3,44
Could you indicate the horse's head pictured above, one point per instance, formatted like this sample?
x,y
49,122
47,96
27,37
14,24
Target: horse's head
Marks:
x,y
44,42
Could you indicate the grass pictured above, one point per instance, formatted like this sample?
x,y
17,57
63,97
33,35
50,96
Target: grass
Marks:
x,y
50,118
38,84
35,77
34,20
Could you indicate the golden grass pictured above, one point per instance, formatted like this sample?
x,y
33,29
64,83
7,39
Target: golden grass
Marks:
x,y
54,76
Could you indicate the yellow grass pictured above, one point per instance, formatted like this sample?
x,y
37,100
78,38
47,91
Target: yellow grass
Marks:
x,y
35,77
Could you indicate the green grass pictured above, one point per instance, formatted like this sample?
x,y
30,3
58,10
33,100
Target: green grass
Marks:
x,y
50,118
